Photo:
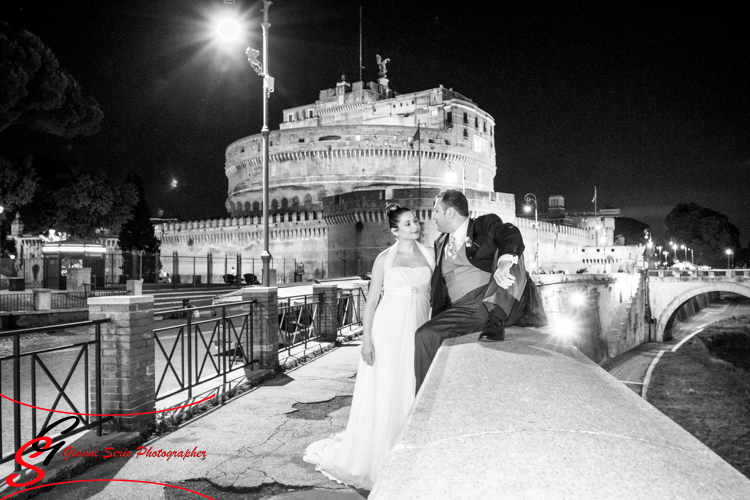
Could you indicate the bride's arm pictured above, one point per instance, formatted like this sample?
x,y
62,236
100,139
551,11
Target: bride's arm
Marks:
x,y
373,298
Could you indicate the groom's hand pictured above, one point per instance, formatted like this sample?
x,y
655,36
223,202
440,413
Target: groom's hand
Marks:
x,y
503,277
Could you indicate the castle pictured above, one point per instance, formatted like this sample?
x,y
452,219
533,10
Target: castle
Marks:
x,y
334,165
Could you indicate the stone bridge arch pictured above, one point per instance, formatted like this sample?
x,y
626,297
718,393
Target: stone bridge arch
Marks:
x,y
668,297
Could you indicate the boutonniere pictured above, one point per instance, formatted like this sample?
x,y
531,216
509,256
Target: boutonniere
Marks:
x,y
470,243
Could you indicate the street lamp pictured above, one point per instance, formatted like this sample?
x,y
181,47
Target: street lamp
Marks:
x,y
2,230
666,257
729,255
531,198
684,248
261,68
674,247
658,250
450,176
692,260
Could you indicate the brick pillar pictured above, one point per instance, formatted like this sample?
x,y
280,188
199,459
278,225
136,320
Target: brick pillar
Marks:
x,y
327,310
128,378
265,324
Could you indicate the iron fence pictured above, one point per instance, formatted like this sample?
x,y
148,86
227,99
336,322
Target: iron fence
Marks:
x,y
64,375
176,270
349,312
198,350
10,302
299,321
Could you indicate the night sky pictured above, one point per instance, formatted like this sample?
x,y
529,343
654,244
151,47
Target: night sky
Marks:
x,y
649,104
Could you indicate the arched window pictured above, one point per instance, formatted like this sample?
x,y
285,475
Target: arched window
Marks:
x,y
308,201
256,206
284,204
274,204
295,203
247,208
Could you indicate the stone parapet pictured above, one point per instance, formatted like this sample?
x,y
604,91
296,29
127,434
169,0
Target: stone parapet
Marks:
x,y
128,357
532,417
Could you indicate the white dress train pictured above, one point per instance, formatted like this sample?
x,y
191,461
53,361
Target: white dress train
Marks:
x,y
383,392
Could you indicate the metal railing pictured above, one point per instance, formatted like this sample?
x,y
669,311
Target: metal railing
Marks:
x,y
200,350
51,386
350,303
699,273
16,302
299,321
24,301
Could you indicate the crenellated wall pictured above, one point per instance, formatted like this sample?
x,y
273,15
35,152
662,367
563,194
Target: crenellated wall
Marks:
x,y
299,238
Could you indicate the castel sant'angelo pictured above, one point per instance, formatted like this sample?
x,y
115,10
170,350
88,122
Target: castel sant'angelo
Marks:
x,y
334,165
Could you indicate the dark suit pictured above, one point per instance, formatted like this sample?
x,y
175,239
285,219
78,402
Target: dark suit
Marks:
x,y
490,238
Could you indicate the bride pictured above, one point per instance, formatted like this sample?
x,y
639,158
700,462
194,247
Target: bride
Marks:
x,y
384,390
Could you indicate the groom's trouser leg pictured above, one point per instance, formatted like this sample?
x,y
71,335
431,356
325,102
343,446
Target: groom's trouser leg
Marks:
x,y
467,315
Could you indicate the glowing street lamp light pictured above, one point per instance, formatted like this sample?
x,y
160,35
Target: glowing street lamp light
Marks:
x,y
531,198
450,176
228,29
729,255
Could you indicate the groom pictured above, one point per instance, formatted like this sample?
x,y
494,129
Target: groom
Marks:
x,y
479,282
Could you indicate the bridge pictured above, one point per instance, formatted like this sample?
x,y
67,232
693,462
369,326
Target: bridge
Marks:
x,y
669,289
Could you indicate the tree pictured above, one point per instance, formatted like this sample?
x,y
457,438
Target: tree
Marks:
x,y
707,232
91,204
39,95
18,182
138,232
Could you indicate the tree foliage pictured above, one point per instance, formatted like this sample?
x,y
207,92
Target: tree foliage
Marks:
x,y
138,232
707,232
36,93
18,182
90,204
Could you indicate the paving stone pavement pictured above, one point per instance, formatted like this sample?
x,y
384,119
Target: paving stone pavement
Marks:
x,y
253,444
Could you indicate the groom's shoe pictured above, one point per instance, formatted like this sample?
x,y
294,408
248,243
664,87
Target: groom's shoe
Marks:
x,y
493,331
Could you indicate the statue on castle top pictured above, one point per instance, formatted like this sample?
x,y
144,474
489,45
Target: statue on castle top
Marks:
x,y
381,64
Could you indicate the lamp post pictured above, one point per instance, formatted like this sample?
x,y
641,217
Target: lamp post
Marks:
x,y
674,247
451,175
2,231
729,255
658,250
261,68
692,260
531,198
666,257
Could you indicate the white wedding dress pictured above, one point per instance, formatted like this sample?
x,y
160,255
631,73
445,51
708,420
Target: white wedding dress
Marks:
x,y
383,392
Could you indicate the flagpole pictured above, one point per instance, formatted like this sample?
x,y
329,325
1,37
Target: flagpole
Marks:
x,y
419,161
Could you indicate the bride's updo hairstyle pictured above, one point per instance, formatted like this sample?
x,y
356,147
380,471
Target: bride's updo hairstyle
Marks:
x,y
393,211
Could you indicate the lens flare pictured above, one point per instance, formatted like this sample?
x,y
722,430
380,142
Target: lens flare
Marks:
x,y
228,29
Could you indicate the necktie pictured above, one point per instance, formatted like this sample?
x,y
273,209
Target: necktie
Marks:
x,y
451,250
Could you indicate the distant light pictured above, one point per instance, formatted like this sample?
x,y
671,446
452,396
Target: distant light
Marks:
x,y
174,183
451,176
228,29
578,299
527,208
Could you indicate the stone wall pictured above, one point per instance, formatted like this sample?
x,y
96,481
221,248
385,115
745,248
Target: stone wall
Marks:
x,y
602,315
